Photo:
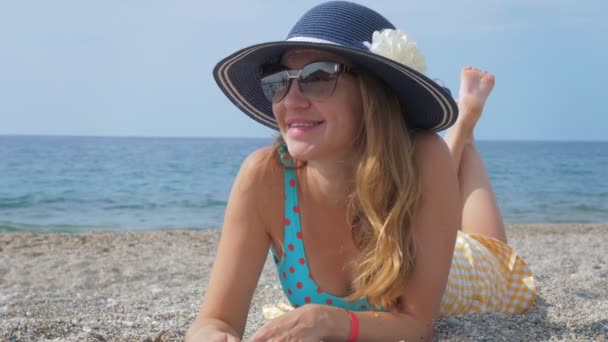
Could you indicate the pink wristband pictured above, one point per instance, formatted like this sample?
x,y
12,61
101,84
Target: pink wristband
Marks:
x,y
354,326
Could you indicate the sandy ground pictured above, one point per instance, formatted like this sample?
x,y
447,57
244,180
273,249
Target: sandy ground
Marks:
x,y
148,286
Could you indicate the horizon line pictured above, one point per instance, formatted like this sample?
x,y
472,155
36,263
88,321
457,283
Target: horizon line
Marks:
x,y
245,137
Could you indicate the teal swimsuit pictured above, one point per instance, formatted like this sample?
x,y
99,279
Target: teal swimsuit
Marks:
x,y
296,279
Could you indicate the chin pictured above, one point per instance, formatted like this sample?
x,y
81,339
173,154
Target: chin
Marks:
x,y
302,151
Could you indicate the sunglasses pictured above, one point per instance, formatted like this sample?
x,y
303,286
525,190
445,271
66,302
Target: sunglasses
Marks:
x,y
316,80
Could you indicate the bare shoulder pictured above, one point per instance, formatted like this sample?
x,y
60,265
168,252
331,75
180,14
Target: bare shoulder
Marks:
x,y
260,168
438,179
432,153
260,178
258,157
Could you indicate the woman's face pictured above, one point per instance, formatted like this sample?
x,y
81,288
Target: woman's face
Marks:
x,y
319,129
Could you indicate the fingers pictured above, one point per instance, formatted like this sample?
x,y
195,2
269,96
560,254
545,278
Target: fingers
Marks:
x,y
232,339
272,311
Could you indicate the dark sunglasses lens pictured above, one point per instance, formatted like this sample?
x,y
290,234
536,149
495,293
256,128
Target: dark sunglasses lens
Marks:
x,y
275,86
318,80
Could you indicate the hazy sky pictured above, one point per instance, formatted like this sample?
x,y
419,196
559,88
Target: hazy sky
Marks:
x,y
143,68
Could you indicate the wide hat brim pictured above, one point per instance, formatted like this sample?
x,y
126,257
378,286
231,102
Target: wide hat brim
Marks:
x,y
425,104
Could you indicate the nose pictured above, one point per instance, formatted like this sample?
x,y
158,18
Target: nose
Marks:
x,y
294,97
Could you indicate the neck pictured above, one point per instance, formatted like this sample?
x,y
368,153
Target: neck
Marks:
x,y
330,182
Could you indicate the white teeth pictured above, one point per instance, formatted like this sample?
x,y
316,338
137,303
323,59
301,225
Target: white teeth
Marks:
x,y
303,124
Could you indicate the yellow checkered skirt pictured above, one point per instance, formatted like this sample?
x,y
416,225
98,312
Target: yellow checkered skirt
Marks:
x,y
487,276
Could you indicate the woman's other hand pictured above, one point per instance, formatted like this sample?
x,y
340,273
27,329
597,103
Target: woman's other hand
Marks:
x,y
309,323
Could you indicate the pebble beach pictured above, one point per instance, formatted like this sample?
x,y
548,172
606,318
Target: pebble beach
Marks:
x,y
148,286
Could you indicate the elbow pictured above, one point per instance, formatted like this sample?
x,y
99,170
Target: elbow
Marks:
x,y
200,330
416,328
195,332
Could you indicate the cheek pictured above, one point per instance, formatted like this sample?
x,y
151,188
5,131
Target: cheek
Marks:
x,y
354,107
279,114
347,120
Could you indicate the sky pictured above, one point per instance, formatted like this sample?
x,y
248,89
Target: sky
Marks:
x,y
143,68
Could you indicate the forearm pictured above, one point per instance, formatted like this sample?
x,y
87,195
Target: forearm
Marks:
x,y
376,326
201,328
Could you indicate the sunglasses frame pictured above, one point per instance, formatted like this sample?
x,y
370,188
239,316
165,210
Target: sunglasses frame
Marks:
x,y
272,69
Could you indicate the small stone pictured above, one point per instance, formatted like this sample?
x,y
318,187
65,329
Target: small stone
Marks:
x,y
158,337
127,323
44,328
28,314
97,337
86,329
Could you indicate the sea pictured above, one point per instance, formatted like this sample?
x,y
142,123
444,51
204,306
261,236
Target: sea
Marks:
x,y
80,184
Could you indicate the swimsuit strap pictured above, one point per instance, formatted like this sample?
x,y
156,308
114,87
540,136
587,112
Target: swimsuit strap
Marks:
x,y
291,229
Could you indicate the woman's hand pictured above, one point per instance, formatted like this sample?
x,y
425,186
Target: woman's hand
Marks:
x,y
309,323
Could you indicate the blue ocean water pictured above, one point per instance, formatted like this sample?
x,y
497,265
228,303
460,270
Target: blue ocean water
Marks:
x,y
77,184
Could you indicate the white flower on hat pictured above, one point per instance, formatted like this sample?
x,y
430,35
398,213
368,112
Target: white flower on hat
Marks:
x,y
394,44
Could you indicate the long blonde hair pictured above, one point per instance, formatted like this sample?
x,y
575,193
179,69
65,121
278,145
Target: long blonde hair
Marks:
x,y
383,199
386,194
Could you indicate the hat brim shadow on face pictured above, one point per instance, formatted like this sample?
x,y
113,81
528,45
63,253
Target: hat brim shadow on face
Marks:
x,y
425,104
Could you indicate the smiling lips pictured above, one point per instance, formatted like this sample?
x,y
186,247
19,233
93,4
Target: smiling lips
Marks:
x,y
304,124
300,127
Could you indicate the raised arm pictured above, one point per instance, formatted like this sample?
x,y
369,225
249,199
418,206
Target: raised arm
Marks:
x,y
435,225
239,260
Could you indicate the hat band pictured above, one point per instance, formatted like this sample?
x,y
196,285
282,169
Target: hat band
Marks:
x,y
311,40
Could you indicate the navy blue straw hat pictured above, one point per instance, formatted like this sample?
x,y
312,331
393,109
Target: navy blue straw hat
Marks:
x,y
342,28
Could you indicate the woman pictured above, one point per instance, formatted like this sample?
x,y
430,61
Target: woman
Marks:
x,y
359,200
